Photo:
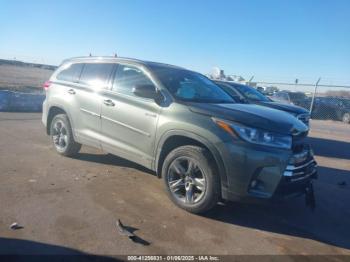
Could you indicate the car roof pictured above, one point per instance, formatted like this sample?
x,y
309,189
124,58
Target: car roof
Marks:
x,y
119,59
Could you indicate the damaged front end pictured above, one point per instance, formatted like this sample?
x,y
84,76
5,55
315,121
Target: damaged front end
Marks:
x,y
299,173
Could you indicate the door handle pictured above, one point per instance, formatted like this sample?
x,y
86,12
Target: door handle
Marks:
x,y
71,91
108,102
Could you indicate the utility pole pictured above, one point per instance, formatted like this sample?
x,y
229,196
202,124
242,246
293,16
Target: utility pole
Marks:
x,y
313,96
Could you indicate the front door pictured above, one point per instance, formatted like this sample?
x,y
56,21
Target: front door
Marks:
x,y
129,122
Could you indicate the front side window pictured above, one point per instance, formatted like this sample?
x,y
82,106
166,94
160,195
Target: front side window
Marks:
x,y
186,85
96,74
70,73
127,77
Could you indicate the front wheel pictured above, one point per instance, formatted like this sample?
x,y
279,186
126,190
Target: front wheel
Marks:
x,y
62,136
191,178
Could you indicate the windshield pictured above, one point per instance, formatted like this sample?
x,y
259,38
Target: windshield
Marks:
x,y
251,93
189,86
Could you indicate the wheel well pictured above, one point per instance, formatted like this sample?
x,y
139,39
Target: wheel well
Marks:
x,y
177,141
52,113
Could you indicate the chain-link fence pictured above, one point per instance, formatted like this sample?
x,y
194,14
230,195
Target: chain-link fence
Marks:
x,y
326,102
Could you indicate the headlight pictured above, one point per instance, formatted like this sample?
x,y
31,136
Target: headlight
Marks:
x,y
254,135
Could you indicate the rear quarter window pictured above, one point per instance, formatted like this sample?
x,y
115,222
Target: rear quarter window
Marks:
x,y
70,73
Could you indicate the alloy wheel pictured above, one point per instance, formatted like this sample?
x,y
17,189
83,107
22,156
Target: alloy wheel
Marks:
x,y
186,180
60,135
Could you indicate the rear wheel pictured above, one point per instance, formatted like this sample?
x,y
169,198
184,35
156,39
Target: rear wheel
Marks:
x,y
190,178
62,136
346,118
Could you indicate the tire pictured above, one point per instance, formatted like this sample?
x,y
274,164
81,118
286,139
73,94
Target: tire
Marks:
x,y
346,118
62,136
191,179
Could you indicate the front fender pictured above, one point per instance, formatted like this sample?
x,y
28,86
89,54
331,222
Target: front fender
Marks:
x,y
214,151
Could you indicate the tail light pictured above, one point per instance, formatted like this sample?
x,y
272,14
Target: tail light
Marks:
x,y
46,85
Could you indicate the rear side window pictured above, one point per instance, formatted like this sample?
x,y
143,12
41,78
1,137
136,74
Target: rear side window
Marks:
x,y
127,77
96,74
71,73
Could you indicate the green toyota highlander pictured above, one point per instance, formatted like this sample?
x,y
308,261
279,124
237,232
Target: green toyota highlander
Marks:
x,y
181,125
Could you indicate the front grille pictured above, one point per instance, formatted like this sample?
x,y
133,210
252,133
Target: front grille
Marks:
x,y
298,147
300,171
298,142
296,178
300,136
301,164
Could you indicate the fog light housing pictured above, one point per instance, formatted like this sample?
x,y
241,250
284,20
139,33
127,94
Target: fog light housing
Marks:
x,y
257,184
253,183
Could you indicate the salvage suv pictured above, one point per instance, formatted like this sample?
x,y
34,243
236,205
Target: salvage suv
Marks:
x,y
180,124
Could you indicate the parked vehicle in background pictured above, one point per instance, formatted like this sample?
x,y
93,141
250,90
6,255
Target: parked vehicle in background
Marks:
x,y
267,90
260,89
332,108
181,125
293,98
248,94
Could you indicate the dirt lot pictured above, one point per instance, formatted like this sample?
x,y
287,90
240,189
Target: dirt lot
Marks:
x,y
23,79
70,205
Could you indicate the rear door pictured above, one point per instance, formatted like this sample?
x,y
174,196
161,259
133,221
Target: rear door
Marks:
x,y
129,122
63,91
92,82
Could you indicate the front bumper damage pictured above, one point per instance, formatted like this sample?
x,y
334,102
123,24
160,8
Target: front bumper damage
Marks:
x,y
297,178
261,174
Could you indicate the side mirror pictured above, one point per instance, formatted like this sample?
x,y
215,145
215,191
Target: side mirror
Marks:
x,y
145,91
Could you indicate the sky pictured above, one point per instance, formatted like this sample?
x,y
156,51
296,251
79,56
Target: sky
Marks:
x,y
272,40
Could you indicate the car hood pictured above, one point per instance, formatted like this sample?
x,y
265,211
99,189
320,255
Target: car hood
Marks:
x,y
296,110
254,116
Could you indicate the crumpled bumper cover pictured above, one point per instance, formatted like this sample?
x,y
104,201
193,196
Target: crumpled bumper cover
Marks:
x,y
296,179
273,174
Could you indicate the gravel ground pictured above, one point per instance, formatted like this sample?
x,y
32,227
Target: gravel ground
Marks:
x,y
70,205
